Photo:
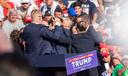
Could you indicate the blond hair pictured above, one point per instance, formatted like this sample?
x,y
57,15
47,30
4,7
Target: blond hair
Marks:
x,y
35,12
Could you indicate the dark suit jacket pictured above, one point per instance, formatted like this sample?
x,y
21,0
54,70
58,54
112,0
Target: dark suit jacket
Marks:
x,y
35,43
58,38
84,42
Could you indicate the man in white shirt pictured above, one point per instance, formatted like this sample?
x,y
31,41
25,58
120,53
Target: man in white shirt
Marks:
x,y
49,5
12,23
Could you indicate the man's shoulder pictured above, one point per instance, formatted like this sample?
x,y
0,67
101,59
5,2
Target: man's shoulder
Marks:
x,y
33,25
27,28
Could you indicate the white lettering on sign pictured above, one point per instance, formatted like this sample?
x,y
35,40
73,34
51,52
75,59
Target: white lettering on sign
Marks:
x,y
81,62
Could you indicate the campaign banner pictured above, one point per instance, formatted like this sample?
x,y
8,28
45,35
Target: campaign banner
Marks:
x,y
81,62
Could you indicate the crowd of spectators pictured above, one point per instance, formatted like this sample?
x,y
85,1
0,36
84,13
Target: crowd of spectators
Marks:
x,y
46,27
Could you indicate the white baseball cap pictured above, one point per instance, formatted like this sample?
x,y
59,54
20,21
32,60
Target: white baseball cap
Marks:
x,y
25,1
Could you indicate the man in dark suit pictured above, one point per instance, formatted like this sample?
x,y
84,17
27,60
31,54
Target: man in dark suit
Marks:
x,y
85,39
34,43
